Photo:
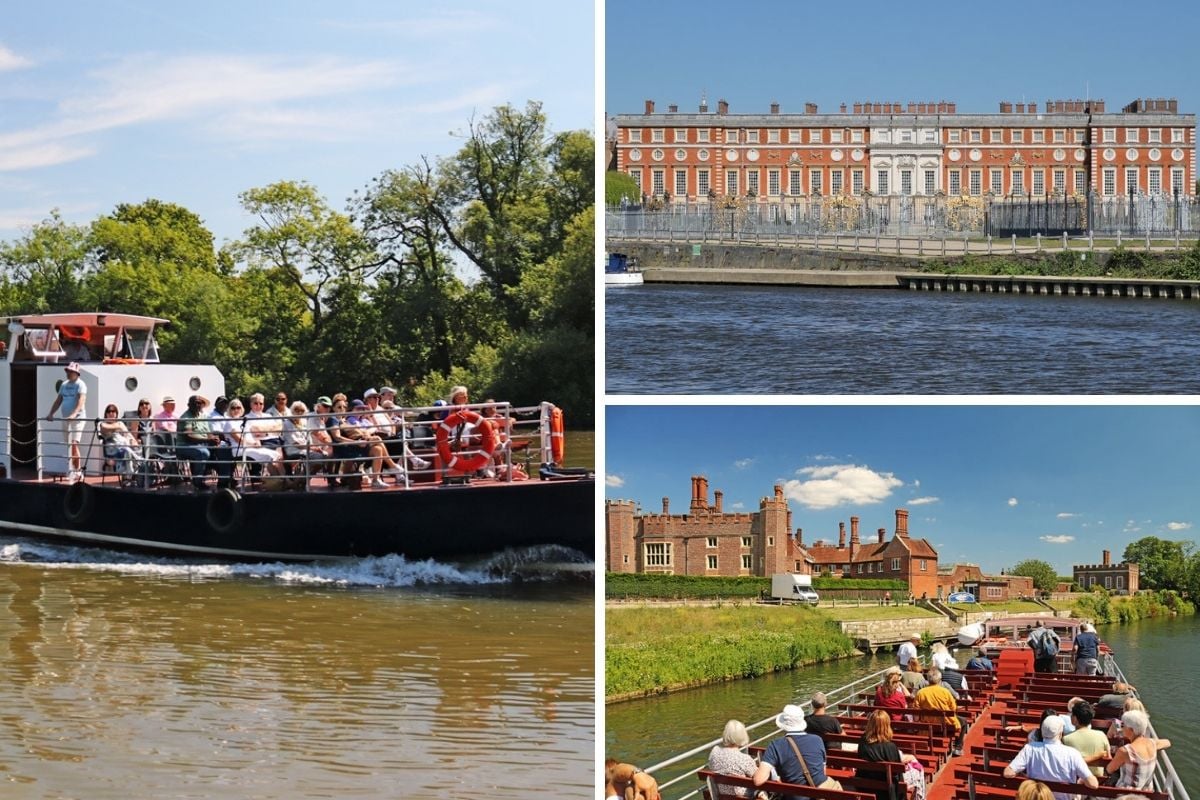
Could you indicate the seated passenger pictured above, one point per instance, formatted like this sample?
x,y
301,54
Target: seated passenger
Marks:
x,y
195,441
936,697
1051,760
876,744
821,722
381,462
891,694
246,443
729,758
1136,760
797,757
349,449
980,661
119,443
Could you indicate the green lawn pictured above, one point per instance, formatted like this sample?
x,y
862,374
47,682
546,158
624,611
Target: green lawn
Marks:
x,y
854,613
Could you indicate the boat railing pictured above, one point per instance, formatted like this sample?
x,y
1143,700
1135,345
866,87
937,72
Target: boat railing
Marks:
x,y
524,440
1165,779
766,730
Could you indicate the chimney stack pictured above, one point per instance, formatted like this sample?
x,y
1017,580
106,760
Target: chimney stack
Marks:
x,y
843,108
1107,558
649,106
800,537
778,492
666,506
699,493
902,523
854,531
774,108
717,497
722,107
674,109
810,108
703,105
841,535
882,533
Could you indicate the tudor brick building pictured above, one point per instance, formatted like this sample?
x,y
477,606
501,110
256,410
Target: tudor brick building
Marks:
x,y
707,540
1065,147
1120,578
986,588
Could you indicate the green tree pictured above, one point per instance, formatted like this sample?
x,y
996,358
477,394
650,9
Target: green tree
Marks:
x,y
43,270
1162,564
1045,578
619,185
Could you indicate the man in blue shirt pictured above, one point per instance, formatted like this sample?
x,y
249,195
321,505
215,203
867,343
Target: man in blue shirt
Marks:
x,y
980,661
796,757
72,399
1087,651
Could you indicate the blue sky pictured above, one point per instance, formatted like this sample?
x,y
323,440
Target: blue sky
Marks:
x,y
987,484
754,52
192,103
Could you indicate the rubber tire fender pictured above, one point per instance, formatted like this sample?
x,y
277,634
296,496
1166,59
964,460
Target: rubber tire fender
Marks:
x,y
79,502
225,511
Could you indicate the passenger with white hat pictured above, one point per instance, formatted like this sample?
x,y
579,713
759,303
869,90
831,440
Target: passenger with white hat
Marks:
x,y
72,397
908,650
796,757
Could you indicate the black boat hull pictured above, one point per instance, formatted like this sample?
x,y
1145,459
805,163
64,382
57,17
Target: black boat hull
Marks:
x,y
444,522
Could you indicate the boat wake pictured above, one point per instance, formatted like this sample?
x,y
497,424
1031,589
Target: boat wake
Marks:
x,y
549,563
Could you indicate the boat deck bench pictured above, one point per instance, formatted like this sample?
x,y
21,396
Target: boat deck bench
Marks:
x,y
722,785
988,785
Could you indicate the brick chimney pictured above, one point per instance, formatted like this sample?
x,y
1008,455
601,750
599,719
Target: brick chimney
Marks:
x,y
1107,558
722,107
882,533
853,537
902,523
649,106
703,105
778,492
699,493
666,506
674,109
843,110
810,108
800,537
717,497
841,535
774,108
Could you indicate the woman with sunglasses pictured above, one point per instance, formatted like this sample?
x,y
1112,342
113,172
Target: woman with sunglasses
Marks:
x,y
119,442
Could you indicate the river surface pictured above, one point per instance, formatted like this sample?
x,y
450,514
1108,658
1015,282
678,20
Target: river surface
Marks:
x,y
1158,656
126,676
663,339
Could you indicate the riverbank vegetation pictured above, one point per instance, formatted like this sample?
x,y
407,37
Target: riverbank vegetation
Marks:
x,y
1121,262
1102,607
650,650
634,586
475,269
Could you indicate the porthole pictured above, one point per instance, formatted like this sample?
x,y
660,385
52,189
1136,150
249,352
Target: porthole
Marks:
x,y
194,383
131,384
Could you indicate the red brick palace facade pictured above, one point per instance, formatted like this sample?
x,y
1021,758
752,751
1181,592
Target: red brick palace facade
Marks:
x,y
1066,147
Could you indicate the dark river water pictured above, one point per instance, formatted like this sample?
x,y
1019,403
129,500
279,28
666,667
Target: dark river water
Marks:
x,y
1157,656
662,339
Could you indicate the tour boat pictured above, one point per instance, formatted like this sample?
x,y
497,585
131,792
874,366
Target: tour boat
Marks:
x,y
430,510
1004,705
622,271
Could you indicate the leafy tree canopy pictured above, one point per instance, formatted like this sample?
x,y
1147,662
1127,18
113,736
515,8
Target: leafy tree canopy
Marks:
x,y
1162,564
1045,578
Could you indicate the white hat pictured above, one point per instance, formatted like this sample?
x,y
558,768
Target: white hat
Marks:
x,y
72,367
916,636
1052,728
370,393
791,719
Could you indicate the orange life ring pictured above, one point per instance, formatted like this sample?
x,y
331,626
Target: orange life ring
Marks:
x,y
558,442
75,332
122,361
487,442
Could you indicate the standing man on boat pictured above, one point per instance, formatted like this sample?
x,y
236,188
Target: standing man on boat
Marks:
x,y
908,650
1045,644
72,396
1087,651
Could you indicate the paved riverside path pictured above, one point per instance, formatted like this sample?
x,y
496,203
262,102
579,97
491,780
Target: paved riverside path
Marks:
x,y
845,279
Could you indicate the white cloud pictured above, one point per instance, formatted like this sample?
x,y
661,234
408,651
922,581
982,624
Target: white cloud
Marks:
x,y
841,484
10,60
738,505
1179,526
615,481
916,484
1131,526
743,463
1066,515
822,457
923,501
1012,501
1053,539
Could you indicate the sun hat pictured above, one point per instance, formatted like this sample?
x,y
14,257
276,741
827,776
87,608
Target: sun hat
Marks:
x,y
323,400
915,636
370,393
72,367
358,404
168,399
386,390
791,719
1052,728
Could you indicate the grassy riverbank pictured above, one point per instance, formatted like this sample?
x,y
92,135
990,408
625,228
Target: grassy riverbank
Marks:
x,y
649,650
1104,608
1118,263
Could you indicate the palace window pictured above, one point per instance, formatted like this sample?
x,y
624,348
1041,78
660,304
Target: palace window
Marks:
x,y
731,182
1108,135
1131,179
1018,182
794,136
1154,135
703,135
1078,136
794,187
1039,137
635,135
976,136
1132,135
1080,176
657,181
680,135
731,136
994,591
773,136
870,568
835,182
751,137
814,136
860,569
1154,180
1108,581
747,562
657,135
930,181
930,137
881,182
773,182
895,565
747,541
712,562
836,136
658,554
770,541
856,181
955,182
752,182
1109,185
814,181
711,541
636,174
975,182
1177,135
954,136
1018,136
906,181
1177,180
906,136
1060,181
1120,581
995,136
1060,136
856,137
625,559
680,183
997,178
1039,182
702,186
924,562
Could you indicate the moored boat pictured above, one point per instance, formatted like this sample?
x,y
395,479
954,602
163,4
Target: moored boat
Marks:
x,y
621,270
1002,707
443,504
